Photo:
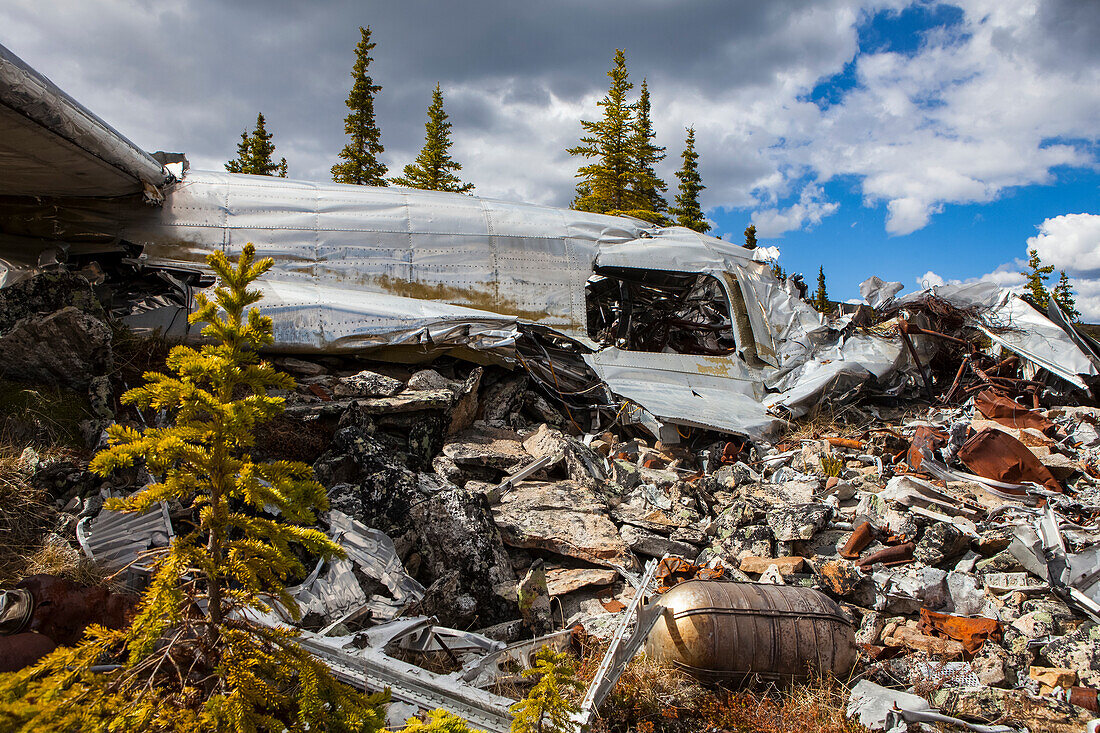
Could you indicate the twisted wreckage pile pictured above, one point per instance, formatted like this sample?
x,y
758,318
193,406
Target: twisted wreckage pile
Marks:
x,y
952,548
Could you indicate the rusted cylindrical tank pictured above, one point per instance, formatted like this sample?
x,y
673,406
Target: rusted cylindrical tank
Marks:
x,y
719,630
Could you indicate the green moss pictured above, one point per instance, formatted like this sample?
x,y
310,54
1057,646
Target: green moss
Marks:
x,y
41,415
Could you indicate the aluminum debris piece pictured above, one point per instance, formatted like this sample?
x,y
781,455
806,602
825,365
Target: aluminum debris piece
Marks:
x,y
336,593
883,709
370,668
620,652
119,539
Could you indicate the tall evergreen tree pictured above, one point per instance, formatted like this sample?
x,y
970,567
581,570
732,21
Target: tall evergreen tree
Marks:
x,y
605,183
1037,274
360,156
821,295
647,188
1064,297
255,151
750,236
687,211
433,168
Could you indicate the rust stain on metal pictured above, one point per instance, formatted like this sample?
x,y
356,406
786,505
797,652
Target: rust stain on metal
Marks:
x,y
714,366
481,299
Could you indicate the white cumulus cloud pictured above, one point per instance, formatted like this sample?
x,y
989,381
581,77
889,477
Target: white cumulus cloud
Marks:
x,y
809,211
1070,242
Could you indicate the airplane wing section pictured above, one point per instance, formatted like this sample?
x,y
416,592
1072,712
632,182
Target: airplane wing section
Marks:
x,y
51,145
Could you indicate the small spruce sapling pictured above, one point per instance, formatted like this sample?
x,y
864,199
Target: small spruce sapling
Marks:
x,y
439,721
548,707
192,659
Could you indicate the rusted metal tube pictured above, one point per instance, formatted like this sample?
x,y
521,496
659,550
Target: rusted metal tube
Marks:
x,y
859,539
1084,697
731,631
896,555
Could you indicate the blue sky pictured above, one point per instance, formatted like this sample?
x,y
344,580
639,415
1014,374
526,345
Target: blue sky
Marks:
x,y
910,139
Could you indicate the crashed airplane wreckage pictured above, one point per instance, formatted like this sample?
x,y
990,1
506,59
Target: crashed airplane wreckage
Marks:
x,y
615,317
664,329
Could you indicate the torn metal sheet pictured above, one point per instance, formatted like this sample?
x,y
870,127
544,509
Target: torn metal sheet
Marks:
x,y
622,648
700,391
336,593
1038,339
1039,547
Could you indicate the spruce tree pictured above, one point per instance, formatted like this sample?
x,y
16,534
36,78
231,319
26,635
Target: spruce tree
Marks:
x,y
1037,274
647,188
687,211
750,236
547,707
360,156
604,184
433,168
193,659
255,151
1063,296
821,295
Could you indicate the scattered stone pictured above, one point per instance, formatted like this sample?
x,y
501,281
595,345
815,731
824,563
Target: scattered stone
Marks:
x,y
67,347
562,580
429,379
798,522
941,542
786,565
367,384
1051,677
440,399
564,518
741,542
1079,650
300,367
912,638
534,600
654,545
487,447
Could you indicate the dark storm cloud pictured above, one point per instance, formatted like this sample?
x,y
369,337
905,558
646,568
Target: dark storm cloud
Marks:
x,y
203,69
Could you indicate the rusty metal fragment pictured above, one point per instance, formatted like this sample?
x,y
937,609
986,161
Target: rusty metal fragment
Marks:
x,y
994,454
1011,413
896,555
858,540
972,632
675,570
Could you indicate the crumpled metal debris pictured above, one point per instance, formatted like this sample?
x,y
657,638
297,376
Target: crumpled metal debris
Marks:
x,y
882,709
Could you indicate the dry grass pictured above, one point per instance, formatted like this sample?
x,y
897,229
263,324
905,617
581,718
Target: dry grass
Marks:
x,y
25,518
652,697
28,545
